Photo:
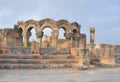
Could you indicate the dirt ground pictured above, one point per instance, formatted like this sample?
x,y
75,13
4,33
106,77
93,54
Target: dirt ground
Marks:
x,y
60,75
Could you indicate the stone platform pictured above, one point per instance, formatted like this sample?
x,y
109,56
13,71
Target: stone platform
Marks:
x,y
36,61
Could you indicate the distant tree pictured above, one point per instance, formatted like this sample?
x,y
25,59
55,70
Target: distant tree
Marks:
x,y
29,44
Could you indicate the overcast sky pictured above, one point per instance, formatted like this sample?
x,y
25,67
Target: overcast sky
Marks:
x,y
104,15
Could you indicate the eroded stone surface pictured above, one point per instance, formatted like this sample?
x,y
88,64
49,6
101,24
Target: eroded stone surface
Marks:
x,y
74,45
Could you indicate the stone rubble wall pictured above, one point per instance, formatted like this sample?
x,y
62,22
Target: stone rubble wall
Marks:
x,y
117,54
104,53
14,51
9,38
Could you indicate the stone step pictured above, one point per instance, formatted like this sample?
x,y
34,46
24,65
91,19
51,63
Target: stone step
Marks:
x,y
117,58
37,61
117,61
35,66
36,56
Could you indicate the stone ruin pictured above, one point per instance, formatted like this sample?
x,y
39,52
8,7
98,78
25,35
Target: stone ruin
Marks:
x,y
71,52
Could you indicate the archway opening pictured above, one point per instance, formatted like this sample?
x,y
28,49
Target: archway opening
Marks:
x,y
61,38
32,37
20,34
61,33
47,39
75,31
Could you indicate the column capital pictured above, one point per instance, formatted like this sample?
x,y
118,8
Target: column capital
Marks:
x,y
68,35
40,34
26,34
92,29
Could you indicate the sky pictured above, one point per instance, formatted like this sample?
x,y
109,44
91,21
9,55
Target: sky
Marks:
x,y
103,15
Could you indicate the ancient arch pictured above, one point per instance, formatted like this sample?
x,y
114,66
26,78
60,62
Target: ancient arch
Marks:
x,y
75,27
49,23
41,25
20,30
46,23
64,24
25,29
46,39
20,24
68,33
30,26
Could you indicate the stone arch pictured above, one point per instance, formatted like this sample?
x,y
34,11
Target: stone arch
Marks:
x,y
75,27
47,23
20,30
47,37
24,29
21,25
30,26
65,25
31,21
48,28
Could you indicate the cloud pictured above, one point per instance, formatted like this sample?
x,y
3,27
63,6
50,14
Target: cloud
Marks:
x,y
104,15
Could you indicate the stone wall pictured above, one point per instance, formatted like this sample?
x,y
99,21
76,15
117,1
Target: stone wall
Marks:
x,y
62,43
117,54
81,55
14,51
104,53
48,51
9,38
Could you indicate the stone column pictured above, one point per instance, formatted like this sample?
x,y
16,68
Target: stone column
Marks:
x,y
68,39
76,40
39,38
92,35
5,38
54,34
82,43
26,36
26,40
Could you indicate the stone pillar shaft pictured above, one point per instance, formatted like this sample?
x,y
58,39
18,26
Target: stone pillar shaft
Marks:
x,y
76,42
92,35
26,36
55,34
82,43
39,38
5,36
26,41
68,38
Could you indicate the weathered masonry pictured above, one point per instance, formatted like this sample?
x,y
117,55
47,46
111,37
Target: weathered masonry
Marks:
x,y
71,52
